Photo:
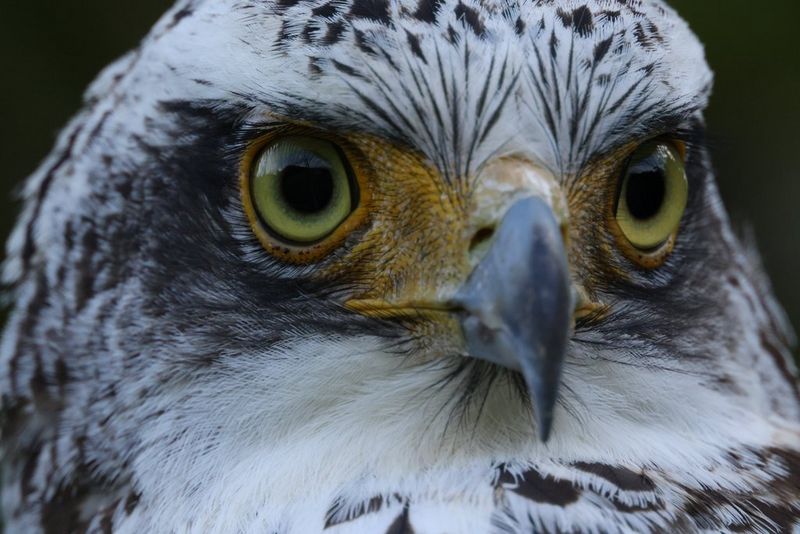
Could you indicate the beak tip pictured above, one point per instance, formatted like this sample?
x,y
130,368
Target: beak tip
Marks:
x,y
543,408
544,434
542,383
544,426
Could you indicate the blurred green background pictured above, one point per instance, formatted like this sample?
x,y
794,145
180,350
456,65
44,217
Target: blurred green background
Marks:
x,y
52,49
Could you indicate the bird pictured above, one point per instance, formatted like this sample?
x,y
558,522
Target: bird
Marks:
x,y
430,266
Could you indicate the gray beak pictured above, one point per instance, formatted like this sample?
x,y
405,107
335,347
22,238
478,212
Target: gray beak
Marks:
x,y
518,306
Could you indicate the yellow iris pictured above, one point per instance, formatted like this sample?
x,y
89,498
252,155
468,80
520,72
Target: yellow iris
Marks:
x,y
302,188
653,195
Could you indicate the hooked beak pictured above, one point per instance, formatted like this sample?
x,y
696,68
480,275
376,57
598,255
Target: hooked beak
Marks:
x,y
518,305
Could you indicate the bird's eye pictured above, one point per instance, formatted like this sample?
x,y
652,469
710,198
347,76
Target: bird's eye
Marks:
x,y
652,196
302,189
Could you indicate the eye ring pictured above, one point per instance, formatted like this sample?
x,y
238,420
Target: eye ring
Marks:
x,y
650,200
297,246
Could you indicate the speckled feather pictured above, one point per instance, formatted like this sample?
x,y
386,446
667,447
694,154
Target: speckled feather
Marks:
x,y
161,373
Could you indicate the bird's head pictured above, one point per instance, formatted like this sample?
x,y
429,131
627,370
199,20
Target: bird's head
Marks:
x,y
361,236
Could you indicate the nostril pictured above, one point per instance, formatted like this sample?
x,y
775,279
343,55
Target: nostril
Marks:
x,y
481,237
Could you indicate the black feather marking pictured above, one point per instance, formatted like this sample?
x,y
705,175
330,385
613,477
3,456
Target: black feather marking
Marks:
x,y
179,16
347,69
283,5
621,477
378,110
371,506
495,116
334,34
377,10
471,18
386,91
413,42
427,10
326,10
401,525
362,43
519,26
539,488
707,507
485,91
602,48
583,21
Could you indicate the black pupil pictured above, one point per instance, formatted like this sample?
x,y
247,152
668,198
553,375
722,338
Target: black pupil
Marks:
x,y
646,189
307,189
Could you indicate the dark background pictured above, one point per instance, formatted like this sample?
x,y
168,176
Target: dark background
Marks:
x,y
50,50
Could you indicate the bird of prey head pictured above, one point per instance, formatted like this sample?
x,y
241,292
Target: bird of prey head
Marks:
x,y
394,265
